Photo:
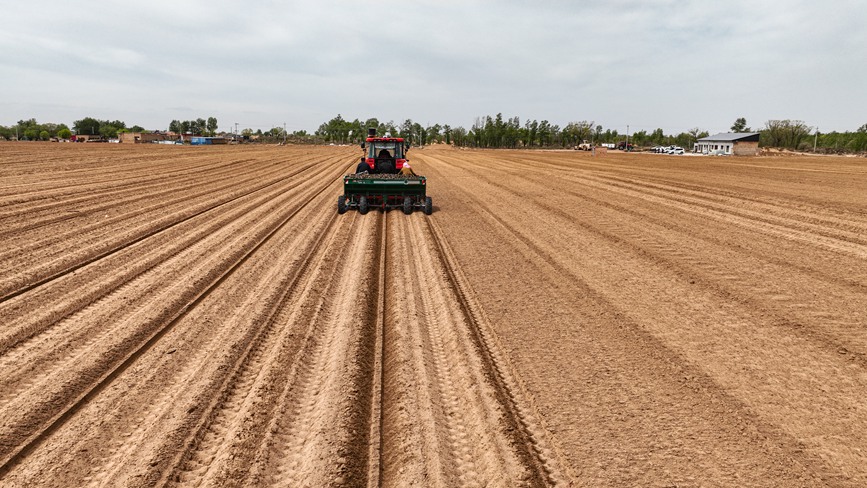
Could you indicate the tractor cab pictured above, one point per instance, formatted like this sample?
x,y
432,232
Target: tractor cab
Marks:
x,y
384,155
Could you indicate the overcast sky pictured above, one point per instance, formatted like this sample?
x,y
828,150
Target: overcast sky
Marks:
x,y
648,63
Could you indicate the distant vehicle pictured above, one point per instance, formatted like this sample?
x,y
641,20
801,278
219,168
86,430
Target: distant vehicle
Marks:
x,y
584,146
623,146
675,150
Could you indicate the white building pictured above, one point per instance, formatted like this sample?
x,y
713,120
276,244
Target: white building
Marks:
x,y
736,143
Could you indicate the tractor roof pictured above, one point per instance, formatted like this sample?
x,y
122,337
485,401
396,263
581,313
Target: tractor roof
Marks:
x,y
385,139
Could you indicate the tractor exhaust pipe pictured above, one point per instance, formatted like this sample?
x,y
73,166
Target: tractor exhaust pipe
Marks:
x,y
371,132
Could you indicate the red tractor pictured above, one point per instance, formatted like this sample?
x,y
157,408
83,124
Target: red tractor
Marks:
x,y
385,155
378,181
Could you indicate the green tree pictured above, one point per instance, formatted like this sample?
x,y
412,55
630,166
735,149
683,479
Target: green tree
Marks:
x,y
64,133
108,131
86,126
784,133
175,126
696,134
740,125
44,135
212,125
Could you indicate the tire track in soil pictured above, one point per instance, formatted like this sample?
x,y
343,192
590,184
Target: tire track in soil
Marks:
x,y
380,366
320,436
221,449
87,285
683,256
782,295
831,231
776,298
101,197
556,261
180,393
54,186
448,416
23,281
63,336
18,438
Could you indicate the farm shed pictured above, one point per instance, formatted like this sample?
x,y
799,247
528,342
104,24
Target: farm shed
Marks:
x,y
141,137
737,143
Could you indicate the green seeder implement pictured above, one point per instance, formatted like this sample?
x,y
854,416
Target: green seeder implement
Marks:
x,y
365,191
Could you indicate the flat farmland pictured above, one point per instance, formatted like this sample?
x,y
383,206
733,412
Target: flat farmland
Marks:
x,y
202,316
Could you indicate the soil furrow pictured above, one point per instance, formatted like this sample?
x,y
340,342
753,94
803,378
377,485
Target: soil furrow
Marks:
x,y
203,317
19,433
57,261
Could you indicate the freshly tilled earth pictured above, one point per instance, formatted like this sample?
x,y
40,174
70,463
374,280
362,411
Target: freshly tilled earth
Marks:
x,y
203,317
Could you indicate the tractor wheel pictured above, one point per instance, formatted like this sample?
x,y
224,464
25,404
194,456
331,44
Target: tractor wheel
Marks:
x,y
428,205
407,205
362,205
341,204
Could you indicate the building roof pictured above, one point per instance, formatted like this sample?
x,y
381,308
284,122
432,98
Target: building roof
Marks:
x,y
731,137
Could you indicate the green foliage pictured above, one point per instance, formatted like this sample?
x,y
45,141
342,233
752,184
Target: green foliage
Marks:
x,y
87,125
212,125
31,130
108,131
197,127
64,133
740,125
784,133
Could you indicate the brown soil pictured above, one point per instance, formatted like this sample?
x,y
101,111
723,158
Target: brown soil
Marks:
x,y
204,317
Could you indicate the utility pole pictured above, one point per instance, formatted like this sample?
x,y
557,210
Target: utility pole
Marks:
x,y
284,133
236,129
816,139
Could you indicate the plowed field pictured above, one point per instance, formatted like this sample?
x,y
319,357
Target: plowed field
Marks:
x,y
203,317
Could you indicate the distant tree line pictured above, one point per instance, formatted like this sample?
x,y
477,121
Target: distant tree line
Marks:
x,y
30,130
198,127
485,132
496,132
797,135
108,129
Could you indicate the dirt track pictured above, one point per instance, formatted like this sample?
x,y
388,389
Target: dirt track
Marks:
x,y
203,317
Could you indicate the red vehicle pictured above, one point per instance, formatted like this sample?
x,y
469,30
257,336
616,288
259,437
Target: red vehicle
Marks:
x,y
385,155
378,181
623,146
